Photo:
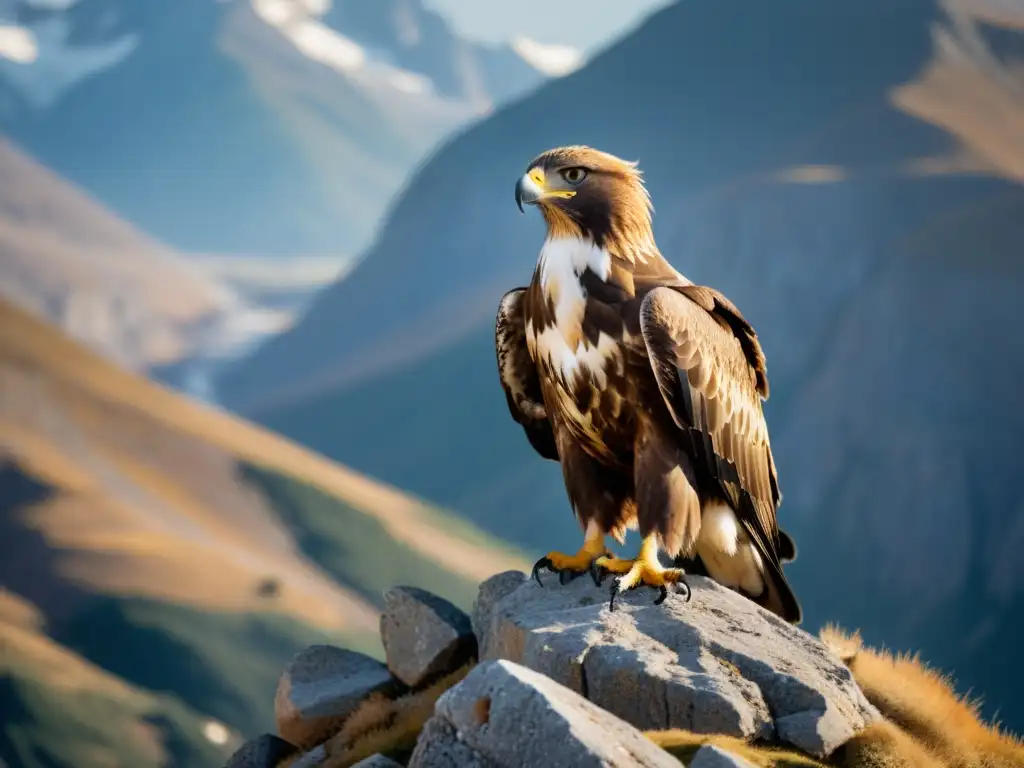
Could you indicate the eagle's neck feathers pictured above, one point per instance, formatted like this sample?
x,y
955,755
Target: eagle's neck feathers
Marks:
x,y
560,267
557,332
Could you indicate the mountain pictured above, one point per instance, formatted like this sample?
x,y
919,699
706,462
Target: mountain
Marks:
x,y
415,38
864,210
247,127
161,560
74,262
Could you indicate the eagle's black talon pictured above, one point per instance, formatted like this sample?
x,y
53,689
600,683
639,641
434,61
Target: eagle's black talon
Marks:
x,y
662,594
544,562
598,573
684,588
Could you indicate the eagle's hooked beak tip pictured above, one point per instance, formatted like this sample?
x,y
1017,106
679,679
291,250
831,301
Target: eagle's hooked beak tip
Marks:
x,y
527,192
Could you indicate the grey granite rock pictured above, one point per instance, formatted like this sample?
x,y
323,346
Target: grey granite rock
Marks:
x,y
312,759
710,756
506,715
320,687
424,635
264,751
492,591
377,761
439,746
717,664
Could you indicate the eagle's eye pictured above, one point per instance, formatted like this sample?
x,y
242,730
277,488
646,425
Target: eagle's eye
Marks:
x,y
574,175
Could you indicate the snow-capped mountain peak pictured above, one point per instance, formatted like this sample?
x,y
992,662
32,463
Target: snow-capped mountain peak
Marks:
x,y
300,22
551,60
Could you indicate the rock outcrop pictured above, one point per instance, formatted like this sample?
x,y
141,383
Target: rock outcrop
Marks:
x,y
715,664
320,688
549,676
265,751
504,714
423,635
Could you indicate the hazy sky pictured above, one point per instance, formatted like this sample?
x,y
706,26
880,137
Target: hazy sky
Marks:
x,y
585,24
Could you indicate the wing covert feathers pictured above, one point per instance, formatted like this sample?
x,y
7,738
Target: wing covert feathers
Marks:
x,y
519,377
711,373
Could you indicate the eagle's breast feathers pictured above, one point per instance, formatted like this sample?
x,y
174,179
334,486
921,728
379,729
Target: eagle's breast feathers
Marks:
x,y
577,343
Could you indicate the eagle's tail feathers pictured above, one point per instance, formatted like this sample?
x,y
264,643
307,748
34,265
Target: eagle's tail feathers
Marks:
x,y
787,547
778,596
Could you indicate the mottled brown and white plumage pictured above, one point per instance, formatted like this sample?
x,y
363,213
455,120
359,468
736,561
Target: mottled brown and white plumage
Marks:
x,y
645,387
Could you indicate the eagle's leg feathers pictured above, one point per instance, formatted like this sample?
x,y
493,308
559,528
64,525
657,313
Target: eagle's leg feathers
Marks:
x,y
645,570
569,567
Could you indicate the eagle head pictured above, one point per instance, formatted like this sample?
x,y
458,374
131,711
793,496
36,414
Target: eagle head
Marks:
x,y
583,192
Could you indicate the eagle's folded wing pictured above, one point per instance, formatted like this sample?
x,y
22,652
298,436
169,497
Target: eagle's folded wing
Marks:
x,y
519,376
711,373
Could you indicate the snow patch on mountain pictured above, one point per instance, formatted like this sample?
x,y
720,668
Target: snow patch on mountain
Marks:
x,y
18,44
551,60
299,21
41,64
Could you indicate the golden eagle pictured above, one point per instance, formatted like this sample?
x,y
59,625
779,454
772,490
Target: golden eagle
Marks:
x,y
645,387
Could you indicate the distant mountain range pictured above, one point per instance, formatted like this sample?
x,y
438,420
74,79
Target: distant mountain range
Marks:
x,y
850,174
180,178
161,561
273,127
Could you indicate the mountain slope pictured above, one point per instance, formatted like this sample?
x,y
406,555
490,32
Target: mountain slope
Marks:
x,y
273,135
864,212
61,710
183,552
421,40
77,264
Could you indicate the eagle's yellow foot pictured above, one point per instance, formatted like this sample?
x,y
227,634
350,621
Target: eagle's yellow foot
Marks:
x,y
569,567
644,570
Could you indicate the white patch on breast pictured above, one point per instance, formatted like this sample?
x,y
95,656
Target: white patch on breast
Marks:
x,y
562,261
727,551
552,345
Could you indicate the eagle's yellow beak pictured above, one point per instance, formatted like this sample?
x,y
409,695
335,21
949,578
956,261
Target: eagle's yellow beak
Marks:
x,y
532,188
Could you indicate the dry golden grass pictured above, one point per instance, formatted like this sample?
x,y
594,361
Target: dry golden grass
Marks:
x,y
147,500
30,653
927,716
17,612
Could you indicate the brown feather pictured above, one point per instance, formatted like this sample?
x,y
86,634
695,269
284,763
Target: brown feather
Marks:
x,y
710,371
518,375
667,499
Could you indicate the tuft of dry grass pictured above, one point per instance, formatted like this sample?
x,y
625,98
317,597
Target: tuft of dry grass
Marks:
x,y
926,714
